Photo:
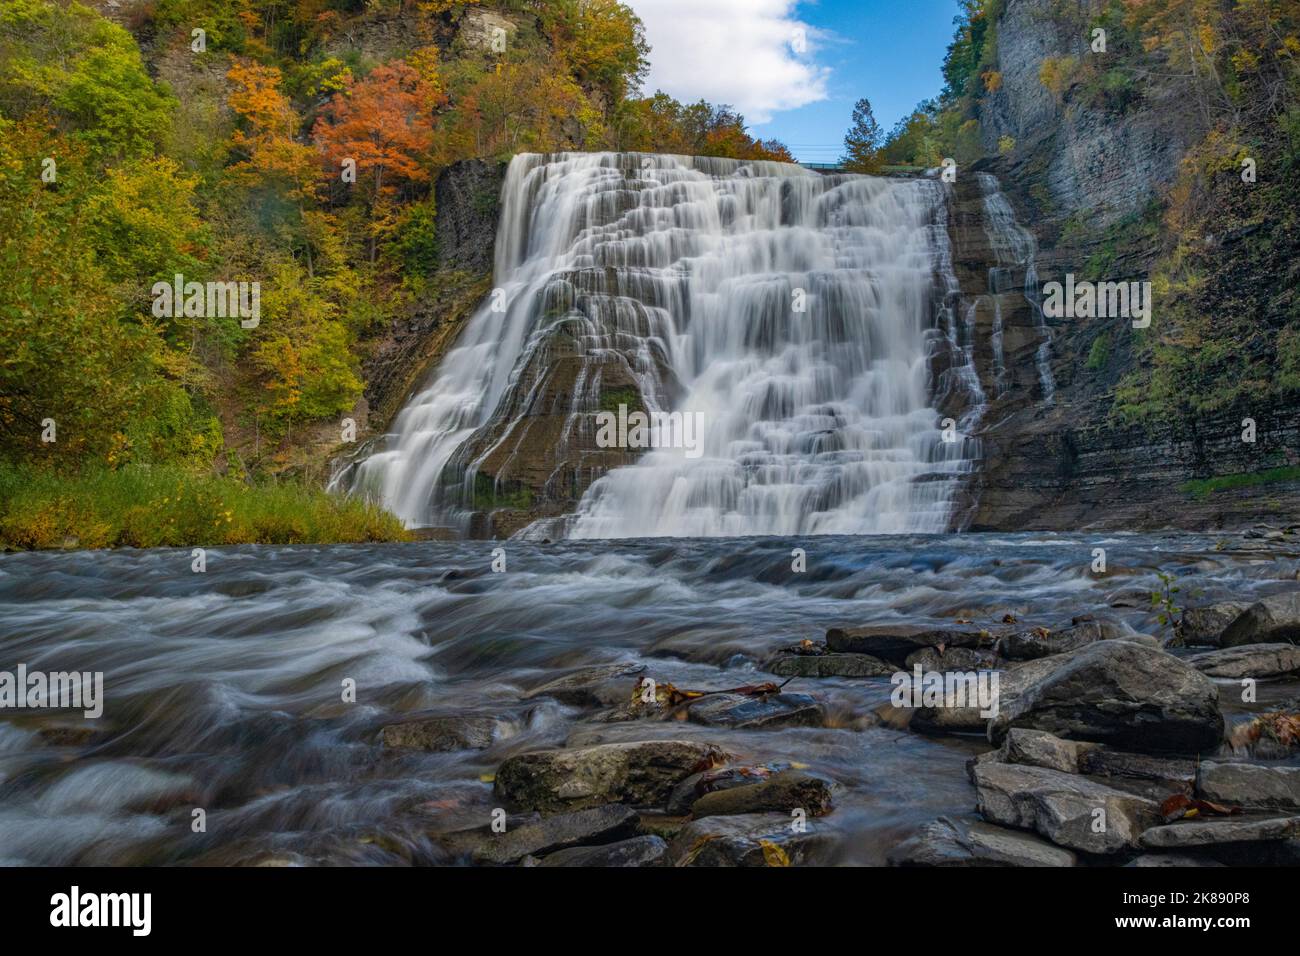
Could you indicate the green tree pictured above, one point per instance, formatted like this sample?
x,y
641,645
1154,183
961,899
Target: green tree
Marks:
x,y
863,141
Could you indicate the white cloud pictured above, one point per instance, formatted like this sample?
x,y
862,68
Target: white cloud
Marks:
x,y
739,52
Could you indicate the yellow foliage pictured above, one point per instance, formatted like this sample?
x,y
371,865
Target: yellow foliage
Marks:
x,y
992,81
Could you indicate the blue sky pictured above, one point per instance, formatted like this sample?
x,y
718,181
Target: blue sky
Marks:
x,y
746,53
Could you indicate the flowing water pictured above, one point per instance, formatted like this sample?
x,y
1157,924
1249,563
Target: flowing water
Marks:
x,y
224,690
790,313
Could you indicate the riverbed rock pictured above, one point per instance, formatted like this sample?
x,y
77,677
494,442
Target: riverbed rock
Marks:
x,y
744,712
949,842
788,790
442,733
1272,620
723,778
971,718
640,774
950,659
750,839
1221,831
1062,807
1170,859
1250,785
830,665
1120,693
894,642
1155,778
1206,624
1037,748
1259,661
1028,645
590,686
595,825
638,851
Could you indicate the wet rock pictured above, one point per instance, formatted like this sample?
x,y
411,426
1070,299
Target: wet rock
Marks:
x,y
641,774
1028,645
788,790
948,842
595,825
742,712
830,665
950,659
751,839
590,686
1152,777
1170,859
1273,620
1205,625
1120,693
972,718
1250,785
1260,661
638,851
1036,748
895,642
1062,807
697,785
1224,830
442,733
66,735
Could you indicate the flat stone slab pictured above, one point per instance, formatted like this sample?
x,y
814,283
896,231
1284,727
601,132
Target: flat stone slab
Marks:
x,y
1028,645
642,773
830,665
743,712
894,642
788,790
596,825
443,733
948,842
1250,785
638,851
1259,661
1069,810
749,840
1149,860
588,687
1224,830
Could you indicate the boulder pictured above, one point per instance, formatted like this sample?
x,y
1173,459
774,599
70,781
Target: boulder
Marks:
x,y
1012,682
1259,661
1170,859
896,641
744,712
830,665
1027,645
1224,830
951,659
1155,778
1036,748
788,790
948,842
595,825
1205,625
590,686
698,784
1120,693
443,733
1062,807
641,774
1273,620
750,839
638,851
1250,785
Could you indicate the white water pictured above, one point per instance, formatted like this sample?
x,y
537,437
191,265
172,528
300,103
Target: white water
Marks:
x,y
689,271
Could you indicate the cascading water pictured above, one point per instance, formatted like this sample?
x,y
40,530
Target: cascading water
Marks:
x,y
788,311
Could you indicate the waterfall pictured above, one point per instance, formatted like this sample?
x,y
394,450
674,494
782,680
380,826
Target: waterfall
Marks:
x,y
787,312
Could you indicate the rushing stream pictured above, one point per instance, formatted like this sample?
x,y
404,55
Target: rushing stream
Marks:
x,y
224,689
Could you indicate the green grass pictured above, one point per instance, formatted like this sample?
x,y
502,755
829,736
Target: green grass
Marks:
x,y
167,506
1204,487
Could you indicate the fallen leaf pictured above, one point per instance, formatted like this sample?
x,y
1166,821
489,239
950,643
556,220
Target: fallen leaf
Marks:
x,y
773,854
